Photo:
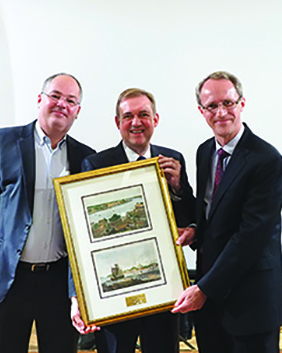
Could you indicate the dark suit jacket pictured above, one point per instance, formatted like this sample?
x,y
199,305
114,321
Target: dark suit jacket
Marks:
x,y
239,249
17,179
184,209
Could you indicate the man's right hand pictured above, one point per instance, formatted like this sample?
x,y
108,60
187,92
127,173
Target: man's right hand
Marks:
x,y
186,236
77,321
193,298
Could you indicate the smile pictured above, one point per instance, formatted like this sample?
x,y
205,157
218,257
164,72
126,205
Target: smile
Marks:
x,y
222,121
136,131
59,112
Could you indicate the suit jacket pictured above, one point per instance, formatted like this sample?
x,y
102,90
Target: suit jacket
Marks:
x,y
184,209
17,180
239,250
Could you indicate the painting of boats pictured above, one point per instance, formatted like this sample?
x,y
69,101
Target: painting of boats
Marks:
x,y
129,265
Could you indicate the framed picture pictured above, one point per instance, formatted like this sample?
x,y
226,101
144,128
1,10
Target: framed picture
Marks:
x,y
120,233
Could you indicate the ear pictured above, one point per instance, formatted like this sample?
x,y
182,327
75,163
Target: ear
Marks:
x,y
156,119
117,120
242,103
201,109
39,98
78,110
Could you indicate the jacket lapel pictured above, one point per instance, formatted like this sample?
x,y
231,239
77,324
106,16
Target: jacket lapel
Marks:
x,y
203,174
27,153
204,169
73,155
234,168
154,151
119,156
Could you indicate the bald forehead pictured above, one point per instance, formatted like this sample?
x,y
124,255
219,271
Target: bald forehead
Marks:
x,y
213,84
215,91
64,84
63,79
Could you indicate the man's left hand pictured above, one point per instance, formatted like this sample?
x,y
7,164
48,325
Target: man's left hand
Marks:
x,y
191,299
172,169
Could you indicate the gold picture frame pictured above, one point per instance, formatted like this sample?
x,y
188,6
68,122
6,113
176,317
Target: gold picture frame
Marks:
x,y
120,234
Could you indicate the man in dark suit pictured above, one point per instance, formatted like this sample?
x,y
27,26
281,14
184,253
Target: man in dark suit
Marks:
x,y
238,294
33,258
136,118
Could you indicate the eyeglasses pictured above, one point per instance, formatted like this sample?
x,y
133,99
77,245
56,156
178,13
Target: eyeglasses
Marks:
x,y
56,97
226,104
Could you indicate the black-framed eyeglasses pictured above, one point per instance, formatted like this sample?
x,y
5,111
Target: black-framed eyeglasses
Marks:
x,y
56,97
226,104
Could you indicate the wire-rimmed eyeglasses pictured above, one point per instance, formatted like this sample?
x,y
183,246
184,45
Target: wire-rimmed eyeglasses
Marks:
x,y
226,104
56,97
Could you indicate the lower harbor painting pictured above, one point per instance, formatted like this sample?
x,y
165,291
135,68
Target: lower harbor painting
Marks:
x,y
128,267
116,213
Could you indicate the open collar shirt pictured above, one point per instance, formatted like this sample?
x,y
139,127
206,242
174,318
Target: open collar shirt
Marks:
x,y
45,242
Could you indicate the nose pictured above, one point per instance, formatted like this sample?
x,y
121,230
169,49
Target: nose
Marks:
x,y
136,120
221,110
62,102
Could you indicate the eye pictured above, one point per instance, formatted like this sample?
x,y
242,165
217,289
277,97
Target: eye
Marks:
x,y
127,116
227,103
55,96
144,115
212,106
71,101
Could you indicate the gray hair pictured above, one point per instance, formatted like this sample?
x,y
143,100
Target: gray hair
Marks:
x,y
220,75
51,78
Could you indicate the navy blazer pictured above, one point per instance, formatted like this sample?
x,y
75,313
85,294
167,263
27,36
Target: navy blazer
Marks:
x,y
184,209
239,249
17,180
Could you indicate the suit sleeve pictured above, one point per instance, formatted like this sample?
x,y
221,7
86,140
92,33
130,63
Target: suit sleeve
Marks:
x,y
184,208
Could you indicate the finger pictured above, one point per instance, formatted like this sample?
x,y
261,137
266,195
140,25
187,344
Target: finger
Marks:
x,y
166,162
169,162
79,328
92,328
180,300
171,171
175,310
182,308
89,329
79,325
183,239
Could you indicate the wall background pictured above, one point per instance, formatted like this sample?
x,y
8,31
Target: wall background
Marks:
x,y
163,46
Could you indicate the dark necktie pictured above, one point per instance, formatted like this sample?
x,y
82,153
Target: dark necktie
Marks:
x,y
219,168
140,158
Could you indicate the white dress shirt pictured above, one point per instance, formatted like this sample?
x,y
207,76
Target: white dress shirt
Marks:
x,y
132,156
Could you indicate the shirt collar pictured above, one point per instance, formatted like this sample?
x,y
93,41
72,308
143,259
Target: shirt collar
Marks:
x,y
132,155
42,138
230,146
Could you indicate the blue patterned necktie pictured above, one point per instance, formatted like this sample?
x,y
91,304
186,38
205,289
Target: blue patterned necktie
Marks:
x,y
219,168
140,158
